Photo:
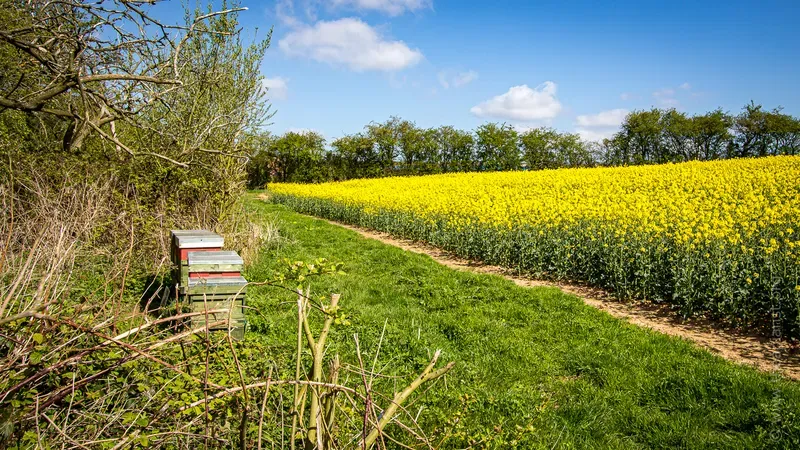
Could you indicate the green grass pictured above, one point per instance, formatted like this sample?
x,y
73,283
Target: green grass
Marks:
x,y
536,368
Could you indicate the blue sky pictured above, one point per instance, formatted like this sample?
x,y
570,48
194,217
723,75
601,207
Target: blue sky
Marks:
x,y
578,66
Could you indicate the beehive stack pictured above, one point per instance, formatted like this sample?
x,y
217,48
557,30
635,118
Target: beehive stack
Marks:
x,y
209,280
185,241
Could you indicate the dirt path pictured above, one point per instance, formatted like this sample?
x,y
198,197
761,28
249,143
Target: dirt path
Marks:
x,y
765,353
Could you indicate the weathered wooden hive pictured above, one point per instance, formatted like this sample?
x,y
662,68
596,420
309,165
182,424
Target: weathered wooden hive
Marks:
x,y
209,281
185,241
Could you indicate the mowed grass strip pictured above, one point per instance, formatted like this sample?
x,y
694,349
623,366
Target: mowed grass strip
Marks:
x,y
535,367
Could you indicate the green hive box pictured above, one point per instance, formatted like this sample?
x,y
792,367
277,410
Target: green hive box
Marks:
x,y
211,264
225,295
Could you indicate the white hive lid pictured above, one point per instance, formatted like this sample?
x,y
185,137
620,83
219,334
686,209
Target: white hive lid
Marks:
x,y
214,257
197,239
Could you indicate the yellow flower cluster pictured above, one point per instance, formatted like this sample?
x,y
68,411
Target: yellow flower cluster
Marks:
x,y
731,200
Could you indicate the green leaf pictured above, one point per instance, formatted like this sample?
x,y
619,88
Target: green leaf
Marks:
x,y
38,338
35,358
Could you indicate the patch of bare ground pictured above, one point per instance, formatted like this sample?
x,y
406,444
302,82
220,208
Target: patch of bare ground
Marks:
x,y
747,347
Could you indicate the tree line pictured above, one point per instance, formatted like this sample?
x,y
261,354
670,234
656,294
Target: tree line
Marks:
x,y
400,147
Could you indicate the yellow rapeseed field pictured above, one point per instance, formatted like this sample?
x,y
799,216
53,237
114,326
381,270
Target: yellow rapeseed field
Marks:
x,y
728,223
730,200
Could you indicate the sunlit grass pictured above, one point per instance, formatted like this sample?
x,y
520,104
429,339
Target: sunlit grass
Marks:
x,y
535,367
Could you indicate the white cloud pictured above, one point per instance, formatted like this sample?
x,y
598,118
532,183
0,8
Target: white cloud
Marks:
x,y
277,87
458,80
666,98
603,125
442,77
595,135
465,78
349,42
390,7
522,103
669,102
610,118
664,93
284,11
522,128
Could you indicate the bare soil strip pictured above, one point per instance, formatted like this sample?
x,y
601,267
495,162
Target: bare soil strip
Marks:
x,y
763,352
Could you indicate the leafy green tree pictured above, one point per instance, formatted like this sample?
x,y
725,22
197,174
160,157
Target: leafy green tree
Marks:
x,y
409,139
430,153
386,136
206,130
96,67
762,133
457,149
677,131
750,127
710,134
261,166
166,113
572,152
615,151
644,137
540,148
297,157
357,156
497,147
783,132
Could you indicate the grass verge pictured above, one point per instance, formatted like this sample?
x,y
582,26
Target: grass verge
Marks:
x,y
535,367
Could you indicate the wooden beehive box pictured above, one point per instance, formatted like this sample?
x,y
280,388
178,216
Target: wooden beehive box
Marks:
x,y
221,263
209,281
219,298
185,241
